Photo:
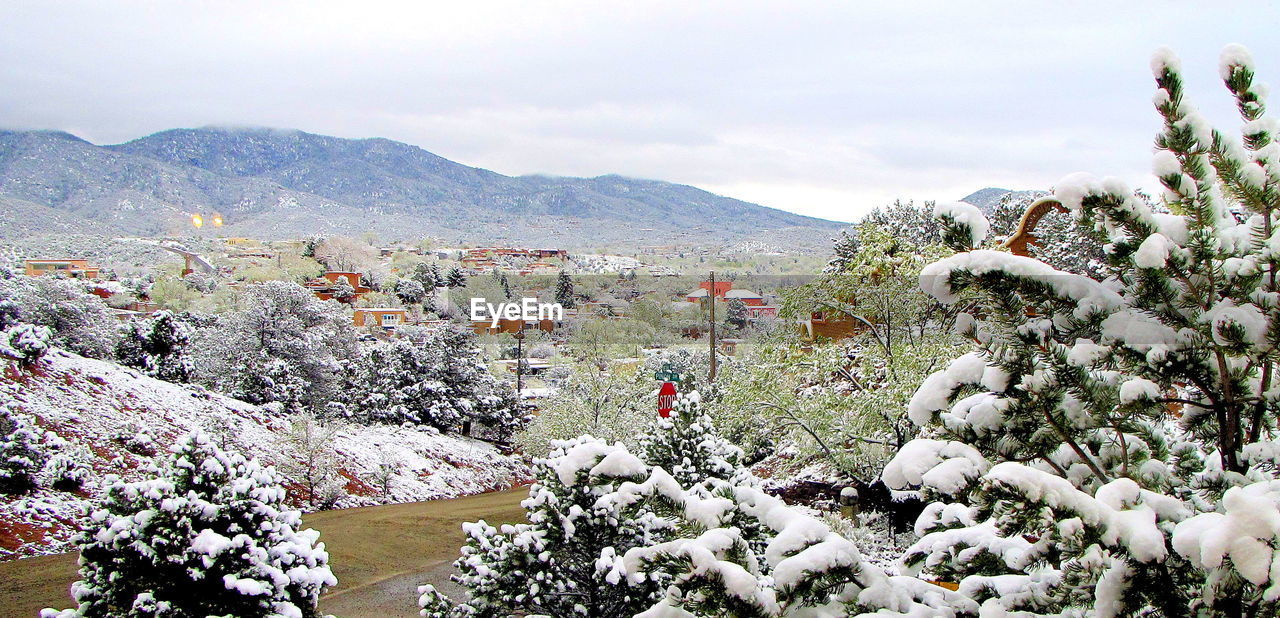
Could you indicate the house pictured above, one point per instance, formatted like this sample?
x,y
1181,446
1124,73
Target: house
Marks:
x,y
79,269
748,298
384,317
486,327
721,288
325,285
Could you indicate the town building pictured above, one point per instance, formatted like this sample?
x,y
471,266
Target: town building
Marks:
x,y
79,269
326,285
384,317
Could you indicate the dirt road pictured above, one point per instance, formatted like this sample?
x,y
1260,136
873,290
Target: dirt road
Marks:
x,y
380,554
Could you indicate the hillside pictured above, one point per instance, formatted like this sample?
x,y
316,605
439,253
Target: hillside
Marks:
x,y
103,407
272,183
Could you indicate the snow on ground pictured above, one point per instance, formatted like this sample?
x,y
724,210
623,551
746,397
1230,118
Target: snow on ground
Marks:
x,y
125,419
599,263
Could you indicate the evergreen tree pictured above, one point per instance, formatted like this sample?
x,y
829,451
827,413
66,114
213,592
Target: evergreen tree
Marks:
x,y
280,344
455,278
688,447
343,291
564,561
411,291
158,347
427,275
210,535
20,454
736,314
564,290
76,320
439,381
844,249
913,225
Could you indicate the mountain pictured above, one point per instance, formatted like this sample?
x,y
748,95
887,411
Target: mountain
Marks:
x,y
987,199
273,183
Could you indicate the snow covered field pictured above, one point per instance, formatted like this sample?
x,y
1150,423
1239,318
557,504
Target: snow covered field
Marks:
x,y
125,419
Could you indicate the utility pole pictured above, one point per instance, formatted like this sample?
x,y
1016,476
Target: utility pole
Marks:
x,y
519,360
711,297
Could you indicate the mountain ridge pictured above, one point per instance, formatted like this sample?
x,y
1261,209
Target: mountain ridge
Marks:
x,y
277,183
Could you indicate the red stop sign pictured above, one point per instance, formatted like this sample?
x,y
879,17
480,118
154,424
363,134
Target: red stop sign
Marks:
x,y
666,399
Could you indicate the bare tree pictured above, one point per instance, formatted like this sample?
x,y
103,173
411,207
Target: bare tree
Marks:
x,y
314,463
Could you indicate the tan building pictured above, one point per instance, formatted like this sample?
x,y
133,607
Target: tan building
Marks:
x,y
384,317
79,269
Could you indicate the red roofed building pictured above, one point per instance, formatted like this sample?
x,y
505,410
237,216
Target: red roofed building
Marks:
x,y
325,285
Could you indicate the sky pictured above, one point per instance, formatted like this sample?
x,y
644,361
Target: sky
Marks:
x,y
826,109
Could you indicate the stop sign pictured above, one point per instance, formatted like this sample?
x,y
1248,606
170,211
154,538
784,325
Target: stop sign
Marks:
x,y
666,399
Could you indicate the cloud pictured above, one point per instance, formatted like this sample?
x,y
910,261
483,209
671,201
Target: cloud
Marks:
x,y
820,108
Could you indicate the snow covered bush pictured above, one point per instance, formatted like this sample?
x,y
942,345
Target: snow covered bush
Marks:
x,y
688,447
135,438
159,346
437,379
67,469
564,561
21,455
76,319
210,535
281,344
26,343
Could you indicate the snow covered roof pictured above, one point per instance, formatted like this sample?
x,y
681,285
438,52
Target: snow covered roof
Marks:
x,y
698,293
741,294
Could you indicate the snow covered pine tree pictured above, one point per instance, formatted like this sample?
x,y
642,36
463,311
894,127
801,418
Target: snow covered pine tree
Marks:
x,y
688,447
209,536
20,455
561,562
1110,448
157,346
585,515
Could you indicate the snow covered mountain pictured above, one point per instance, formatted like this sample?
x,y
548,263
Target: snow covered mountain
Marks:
x,y
282,183
125,420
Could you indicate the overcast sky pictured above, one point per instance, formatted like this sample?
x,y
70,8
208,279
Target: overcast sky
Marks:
x,y
827,109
